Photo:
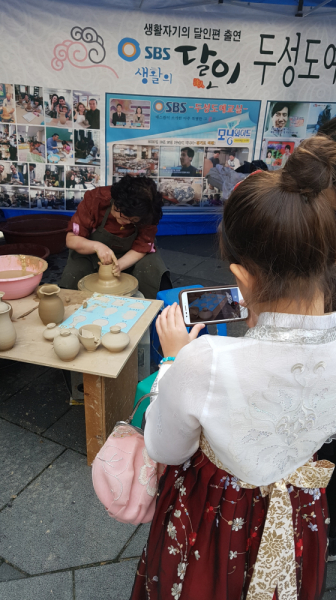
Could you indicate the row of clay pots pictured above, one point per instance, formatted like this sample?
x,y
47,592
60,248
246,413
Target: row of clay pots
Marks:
x,y
67,341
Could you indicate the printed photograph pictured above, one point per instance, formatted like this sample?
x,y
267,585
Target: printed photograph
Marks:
x,y
184,161
59,146
57,108
47,199
54,176
181,192
86,110
286,119
131,114
8,142
7,103
231,157
73,198
14,173
87,147
320,113
14,197
135,160
275,153
211,196
36,172
29,105
82,178
31,143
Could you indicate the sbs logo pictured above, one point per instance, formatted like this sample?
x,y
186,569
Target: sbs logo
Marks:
x,y
129,49
158,106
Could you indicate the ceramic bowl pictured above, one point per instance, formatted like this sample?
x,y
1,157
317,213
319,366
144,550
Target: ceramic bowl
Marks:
x,y
19,287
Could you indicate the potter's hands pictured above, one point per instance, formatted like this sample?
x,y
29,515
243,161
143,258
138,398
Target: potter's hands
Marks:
x,y
252,316
105,254
116,269
172,330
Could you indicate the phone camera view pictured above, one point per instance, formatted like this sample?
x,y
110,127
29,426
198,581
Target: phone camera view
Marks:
x,y
214,306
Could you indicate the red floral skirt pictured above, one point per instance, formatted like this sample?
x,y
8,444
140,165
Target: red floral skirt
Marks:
x,y
206,531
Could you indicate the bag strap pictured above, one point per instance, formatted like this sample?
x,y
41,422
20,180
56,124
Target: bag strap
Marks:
x,y
127,421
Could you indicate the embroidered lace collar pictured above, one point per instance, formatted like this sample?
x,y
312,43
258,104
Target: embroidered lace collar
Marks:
x,y
296,329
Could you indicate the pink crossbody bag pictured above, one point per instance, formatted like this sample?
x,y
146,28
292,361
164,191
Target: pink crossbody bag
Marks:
x,y
124,477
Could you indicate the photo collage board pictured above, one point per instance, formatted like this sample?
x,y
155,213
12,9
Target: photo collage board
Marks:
x,y
189,146
287,123
50,146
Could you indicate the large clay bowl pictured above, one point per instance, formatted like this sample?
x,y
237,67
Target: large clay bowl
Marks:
x,y
31,249
19,287
45,229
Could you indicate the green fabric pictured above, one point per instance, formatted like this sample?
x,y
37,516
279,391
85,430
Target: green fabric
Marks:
x,y
144,387
34,158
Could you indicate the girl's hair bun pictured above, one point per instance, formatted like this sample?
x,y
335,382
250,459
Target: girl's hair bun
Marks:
x,y
311,167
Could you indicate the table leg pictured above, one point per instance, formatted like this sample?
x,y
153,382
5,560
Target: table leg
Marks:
x,y
107,401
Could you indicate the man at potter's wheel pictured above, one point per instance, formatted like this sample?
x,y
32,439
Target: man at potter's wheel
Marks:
x,y
117,225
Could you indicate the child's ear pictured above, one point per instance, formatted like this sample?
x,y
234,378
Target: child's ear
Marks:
x,y
242,275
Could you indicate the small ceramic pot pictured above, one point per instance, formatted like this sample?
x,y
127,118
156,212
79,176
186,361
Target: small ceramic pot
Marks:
x,y
51,308
115,340
8,304
66,345
194,311
7,330
205,315
51,332
89,337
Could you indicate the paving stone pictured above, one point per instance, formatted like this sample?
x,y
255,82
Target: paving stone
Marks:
x,y
200,245
331,575
40,404
23,455
109,582
236,329
214,270
137,543
330,595
16,375
57,586
69,430
8,573
180,262
187,280
59,516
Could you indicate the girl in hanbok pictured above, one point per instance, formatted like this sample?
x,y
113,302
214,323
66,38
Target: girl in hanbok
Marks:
x,y
241,510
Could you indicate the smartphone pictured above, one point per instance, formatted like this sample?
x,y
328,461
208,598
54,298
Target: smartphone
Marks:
x,y
212,305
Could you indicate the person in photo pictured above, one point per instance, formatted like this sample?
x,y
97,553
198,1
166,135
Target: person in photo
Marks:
x,y
52,144
80,114
61,103
215,158
286,155
16,176
93,115
269,158
187,169
139,118
38,148
52,111
8,108
32,173
118,116
280,116
232,162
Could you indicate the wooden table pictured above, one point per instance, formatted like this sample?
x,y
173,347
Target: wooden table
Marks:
x,y
110,380
20,112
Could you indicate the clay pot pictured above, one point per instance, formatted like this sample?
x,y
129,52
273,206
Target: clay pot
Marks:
x,y
115,340
89,336
7,330
62,118
194,311
51,332
205,315
51,308
7,303
66,345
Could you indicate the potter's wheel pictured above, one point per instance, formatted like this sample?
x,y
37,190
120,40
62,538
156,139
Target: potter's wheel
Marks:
x,y
104,282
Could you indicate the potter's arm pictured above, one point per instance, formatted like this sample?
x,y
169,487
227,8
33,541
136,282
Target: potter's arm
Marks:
x,y
129,259
85,246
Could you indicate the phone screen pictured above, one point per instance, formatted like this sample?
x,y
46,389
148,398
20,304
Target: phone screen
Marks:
x,y
215,305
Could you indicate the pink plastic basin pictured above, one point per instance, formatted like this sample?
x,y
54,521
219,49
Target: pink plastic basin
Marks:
x,y
19,287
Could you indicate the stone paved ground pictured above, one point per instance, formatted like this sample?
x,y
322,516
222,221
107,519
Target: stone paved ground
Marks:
x,y
56,542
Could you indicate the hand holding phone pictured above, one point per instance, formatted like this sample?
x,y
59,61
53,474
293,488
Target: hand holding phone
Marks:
x,y
172,330
212,305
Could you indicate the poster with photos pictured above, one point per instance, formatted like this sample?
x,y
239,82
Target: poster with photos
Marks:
x,y
287,124
189,146
49,146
